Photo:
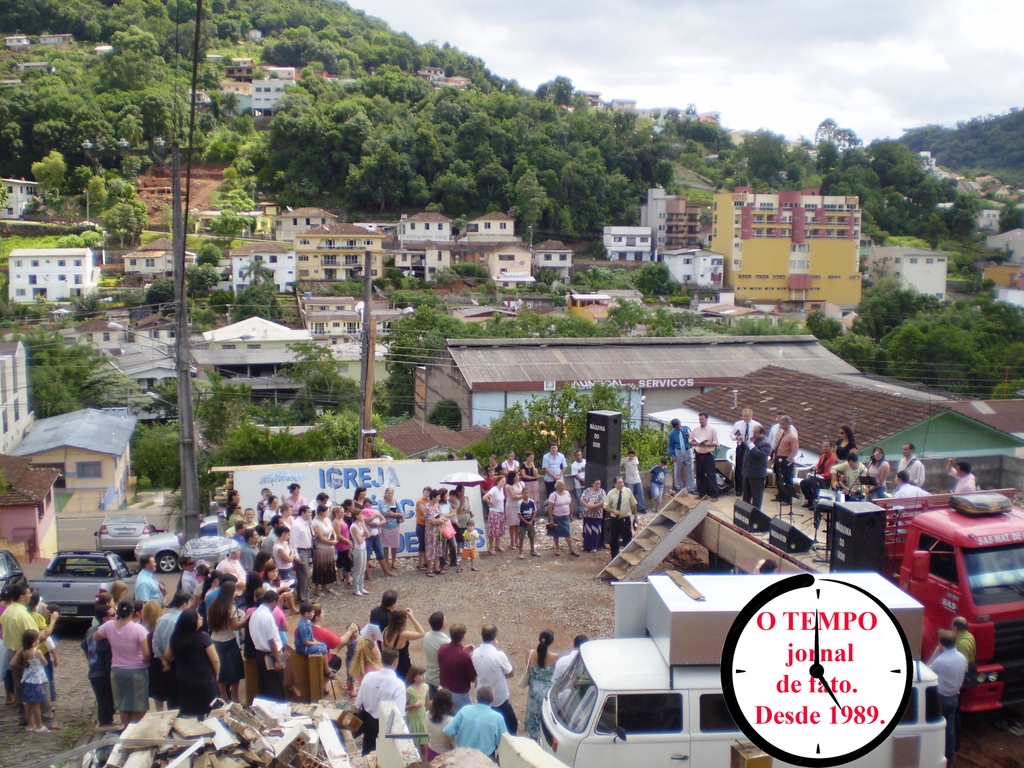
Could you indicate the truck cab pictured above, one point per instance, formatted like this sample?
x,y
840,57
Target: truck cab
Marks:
x,y
652,696
971,564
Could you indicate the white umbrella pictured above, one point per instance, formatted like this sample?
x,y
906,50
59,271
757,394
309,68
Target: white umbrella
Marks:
x,y
463,478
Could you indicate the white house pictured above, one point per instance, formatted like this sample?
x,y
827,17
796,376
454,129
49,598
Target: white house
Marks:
x,y
491,227
551,254
916,267
289,223
628,243
693,266
19,196
17,42
275,257
254,333
154,261
52,274
425,226
267,91
1010,243
988,219
62,39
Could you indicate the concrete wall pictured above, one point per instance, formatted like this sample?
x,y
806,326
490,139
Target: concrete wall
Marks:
x,y
991,472
394,753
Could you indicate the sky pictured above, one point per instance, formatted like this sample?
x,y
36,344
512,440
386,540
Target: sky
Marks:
x,y
874,66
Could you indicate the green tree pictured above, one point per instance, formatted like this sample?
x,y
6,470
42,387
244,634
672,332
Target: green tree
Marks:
x,y
766,155
1011,218
257,301
155,455
87,305
50,171
96,188
229,225
160,291
446,414
530,199
208,253
822,327
257,273
123,221
321,385
885,305
200,280
627,315
654,280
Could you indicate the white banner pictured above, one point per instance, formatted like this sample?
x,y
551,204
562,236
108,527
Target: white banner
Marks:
x,y
339,479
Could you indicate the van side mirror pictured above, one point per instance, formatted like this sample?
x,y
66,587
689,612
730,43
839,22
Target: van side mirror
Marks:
x,y
920,565
620,732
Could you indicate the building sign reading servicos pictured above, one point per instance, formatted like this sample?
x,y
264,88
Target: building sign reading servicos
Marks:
x,y
639,383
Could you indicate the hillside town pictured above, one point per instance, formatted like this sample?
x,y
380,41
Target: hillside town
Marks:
x,y
344,312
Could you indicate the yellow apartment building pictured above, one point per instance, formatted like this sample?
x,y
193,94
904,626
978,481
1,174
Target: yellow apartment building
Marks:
x,y
795,246
336,252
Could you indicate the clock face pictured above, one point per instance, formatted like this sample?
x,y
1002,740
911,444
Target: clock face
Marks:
x,y
816,671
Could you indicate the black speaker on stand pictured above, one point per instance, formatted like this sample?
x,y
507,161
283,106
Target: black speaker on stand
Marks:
x,y
604,447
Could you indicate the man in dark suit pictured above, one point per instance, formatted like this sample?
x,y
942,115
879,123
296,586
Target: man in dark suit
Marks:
x,y
755,466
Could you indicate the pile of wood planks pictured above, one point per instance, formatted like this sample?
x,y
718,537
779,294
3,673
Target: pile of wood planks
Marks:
x,y
269,734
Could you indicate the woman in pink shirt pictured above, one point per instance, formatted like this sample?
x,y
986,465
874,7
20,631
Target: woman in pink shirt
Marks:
x,y
129,666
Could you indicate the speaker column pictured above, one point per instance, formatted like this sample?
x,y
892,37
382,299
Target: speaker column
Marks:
x,y
858,537
604,447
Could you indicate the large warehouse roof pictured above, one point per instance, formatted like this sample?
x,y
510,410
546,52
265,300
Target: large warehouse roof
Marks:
x,y
485,363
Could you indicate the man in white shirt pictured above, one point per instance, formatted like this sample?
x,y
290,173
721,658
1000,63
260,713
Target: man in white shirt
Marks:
x,y
961,471
380,685
267,641
493,668
302,541
631,470
565,661
905,489
913,465
554,466
579,480
950,665
704,440
742,432
432,642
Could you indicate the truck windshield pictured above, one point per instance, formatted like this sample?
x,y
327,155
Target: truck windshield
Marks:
x,y
995,574
574,698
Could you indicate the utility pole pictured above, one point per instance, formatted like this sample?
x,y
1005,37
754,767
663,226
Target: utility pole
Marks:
x,y
190,511
366,431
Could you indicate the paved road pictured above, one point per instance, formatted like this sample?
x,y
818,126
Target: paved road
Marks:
x,y
78,532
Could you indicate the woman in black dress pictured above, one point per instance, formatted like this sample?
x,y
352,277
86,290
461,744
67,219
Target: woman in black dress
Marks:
x,y
396,635
847,442
198,665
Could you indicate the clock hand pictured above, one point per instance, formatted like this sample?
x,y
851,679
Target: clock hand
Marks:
x,y
816,655
824,682
817,671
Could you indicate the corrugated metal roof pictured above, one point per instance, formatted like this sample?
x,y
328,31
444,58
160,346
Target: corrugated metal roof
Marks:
x,y
88,429
602,359
1004,415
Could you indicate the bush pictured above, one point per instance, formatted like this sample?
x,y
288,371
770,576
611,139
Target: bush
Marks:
x,y
469,269
208,253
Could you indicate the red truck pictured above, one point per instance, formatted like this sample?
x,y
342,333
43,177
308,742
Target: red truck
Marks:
x,y
957,555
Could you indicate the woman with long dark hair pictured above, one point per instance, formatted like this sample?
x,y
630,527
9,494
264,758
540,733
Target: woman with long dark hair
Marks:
x,y
847,442
198,664
540,668
441,706
396,635
224,619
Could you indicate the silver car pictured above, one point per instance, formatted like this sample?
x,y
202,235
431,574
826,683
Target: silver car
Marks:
x,y
121,532
166,547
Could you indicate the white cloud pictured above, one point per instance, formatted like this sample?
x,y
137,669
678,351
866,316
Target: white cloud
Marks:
x,y
878,66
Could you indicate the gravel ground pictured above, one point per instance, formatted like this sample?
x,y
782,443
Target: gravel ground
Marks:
x,y
522,597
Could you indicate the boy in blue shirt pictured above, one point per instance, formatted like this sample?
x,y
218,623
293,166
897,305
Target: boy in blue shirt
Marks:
x,y
305,644
657,482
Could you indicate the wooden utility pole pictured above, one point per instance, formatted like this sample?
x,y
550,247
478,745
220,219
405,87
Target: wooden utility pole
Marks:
x,y
366,431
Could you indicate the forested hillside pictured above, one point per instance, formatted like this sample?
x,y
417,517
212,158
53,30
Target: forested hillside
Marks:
x,y
991,144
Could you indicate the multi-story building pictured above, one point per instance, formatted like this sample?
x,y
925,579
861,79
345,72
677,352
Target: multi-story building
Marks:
x,y
242,92
239,69
19,196
17,43
266,92
673,221
491,227
916,268
154,261
336,252
52,274
692,266
340,318
422,259
508,264
551,254
274,256
628,243
425,226
16,415
794,246
288,223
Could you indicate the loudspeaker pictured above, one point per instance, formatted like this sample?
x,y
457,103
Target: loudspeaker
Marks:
x,y
858,537
604,438
749,518
787,537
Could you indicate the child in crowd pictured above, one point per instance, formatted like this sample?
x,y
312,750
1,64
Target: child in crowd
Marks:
x,y
416,707
657,477
305,644
33,680
469,544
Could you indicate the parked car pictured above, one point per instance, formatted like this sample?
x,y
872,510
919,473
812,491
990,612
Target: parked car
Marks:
x,y
73,579
10,570
120,533
166,547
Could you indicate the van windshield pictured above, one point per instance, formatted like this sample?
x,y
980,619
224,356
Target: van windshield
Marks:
x,y
574,697
996,574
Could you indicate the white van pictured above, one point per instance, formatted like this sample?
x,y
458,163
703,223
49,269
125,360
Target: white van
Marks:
x,y
622,704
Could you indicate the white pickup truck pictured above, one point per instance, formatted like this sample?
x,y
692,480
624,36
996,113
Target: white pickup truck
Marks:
x,y
622,703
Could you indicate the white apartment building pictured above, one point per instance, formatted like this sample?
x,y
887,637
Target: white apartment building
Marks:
x,y
491,227
15,414
268,91
274,256
19,196
552,254
916,267
693,266
988,219
289,223
425,226
628,243
52,274
154,261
